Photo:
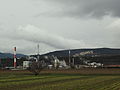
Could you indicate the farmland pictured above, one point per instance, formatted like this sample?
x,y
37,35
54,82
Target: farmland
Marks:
x,y
83,79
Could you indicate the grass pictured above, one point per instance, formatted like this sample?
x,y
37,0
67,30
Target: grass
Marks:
x,y
60,80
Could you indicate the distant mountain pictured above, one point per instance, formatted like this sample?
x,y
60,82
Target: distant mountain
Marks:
x,y
100,51
9,55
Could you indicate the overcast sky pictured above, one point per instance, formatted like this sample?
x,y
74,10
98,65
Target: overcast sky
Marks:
x,y
58,25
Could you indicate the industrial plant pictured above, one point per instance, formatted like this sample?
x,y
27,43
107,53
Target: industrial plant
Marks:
x,y
66,59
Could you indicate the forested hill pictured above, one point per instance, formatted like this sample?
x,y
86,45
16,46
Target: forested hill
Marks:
x,y
100,51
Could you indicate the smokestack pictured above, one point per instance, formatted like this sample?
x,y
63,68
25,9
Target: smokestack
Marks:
x,y
15,64
69,58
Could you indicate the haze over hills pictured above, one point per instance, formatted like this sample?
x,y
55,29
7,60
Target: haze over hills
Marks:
x,y
9,55
100,51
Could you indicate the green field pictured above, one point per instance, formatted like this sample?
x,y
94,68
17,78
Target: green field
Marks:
x,y
23,80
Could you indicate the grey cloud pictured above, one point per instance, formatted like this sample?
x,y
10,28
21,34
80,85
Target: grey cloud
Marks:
x,y
59,33
88,8
36,35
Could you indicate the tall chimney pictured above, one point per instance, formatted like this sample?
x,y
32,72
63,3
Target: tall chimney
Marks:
x,y
69,58
15,64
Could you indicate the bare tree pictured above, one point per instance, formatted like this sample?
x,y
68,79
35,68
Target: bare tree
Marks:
x,y
36,67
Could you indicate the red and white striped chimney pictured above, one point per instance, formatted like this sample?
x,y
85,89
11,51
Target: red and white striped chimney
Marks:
x,y
15,57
